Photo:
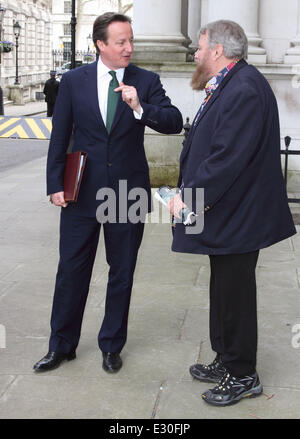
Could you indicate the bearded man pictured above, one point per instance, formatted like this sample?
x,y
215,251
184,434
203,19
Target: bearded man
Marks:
x,y
233,152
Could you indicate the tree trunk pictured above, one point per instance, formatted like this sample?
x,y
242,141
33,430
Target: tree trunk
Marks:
x,y
79,16
123,8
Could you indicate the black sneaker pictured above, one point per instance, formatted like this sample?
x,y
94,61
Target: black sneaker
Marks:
x,y
230,390
211,373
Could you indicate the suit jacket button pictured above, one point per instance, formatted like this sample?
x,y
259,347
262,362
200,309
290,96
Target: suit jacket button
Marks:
x,y
109,164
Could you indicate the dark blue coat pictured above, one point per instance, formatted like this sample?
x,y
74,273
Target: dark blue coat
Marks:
x,y
119,155
233,152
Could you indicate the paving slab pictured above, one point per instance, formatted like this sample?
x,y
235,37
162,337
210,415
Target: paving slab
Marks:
x,y
274,403
168,324
24,110
37,397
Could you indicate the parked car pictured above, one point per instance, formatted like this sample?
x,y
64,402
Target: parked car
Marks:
x,y
67,66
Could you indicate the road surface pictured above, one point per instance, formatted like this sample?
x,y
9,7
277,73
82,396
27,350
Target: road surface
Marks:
x,y
17,151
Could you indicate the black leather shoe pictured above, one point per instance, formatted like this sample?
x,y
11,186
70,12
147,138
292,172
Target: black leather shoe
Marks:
x,y
112,362
52,360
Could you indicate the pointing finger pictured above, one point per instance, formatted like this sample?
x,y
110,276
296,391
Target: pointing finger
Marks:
x,y
120,88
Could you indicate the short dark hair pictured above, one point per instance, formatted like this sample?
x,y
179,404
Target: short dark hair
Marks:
x,y
101,24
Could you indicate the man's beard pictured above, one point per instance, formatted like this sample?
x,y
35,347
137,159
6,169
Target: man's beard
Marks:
x,y
199,78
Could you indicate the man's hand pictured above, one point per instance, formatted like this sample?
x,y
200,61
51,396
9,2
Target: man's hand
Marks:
x,y
130,96
175,205
58,199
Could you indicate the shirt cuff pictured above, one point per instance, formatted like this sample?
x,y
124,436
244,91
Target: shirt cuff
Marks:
x,y
137,115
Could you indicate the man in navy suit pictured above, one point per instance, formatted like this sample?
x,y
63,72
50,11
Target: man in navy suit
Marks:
x,y
233,152
106,105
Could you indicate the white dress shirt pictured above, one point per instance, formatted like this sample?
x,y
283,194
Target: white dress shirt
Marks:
x,y
103,80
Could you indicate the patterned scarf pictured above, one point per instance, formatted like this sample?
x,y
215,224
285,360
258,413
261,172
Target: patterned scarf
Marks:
x,y
214,83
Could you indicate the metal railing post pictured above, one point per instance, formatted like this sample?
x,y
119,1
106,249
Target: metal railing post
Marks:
x,y
287,152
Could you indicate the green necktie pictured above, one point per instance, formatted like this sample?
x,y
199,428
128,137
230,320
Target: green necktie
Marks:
x,y
112,100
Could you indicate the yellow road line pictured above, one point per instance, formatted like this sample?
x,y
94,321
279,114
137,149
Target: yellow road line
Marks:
x,y
36,129
8,123
48,124
19,130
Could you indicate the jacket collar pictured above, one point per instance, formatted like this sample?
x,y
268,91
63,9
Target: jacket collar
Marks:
x,y
242,63
216,80
103,70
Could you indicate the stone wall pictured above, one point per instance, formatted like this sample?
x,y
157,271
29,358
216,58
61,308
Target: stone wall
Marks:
x,y
34,52
273,31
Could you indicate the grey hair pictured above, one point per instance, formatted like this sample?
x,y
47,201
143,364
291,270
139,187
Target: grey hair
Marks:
x,y
230,35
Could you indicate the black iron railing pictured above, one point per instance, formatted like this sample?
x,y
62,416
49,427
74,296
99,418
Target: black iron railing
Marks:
x,y
60,57
286,152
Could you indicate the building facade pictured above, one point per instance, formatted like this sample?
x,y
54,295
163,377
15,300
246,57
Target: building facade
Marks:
x,y
165,37
86,12
165,33
34,51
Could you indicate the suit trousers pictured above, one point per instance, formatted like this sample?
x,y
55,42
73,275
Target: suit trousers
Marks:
x,y
50,109
233,311
79,238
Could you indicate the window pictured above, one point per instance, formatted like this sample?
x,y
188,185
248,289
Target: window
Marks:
x,y
67,29
67,51
67,7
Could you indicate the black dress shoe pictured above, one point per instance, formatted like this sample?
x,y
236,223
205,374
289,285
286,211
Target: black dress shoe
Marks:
x,y
52,360
112,362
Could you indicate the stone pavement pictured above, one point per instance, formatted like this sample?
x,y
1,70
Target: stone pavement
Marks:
x,y
168,324
30,108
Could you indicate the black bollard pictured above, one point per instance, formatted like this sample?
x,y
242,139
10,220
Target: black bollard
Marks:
x,y
1,102
186,128
287,141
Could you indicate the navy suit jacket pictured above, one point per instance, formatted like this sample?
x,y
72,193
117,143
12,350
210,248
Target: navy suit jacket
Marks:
x,y
119,155
233,152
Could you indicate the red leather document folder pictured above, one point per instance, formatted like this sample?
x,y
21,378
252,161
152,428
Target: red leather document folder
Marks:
x,y
75,164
